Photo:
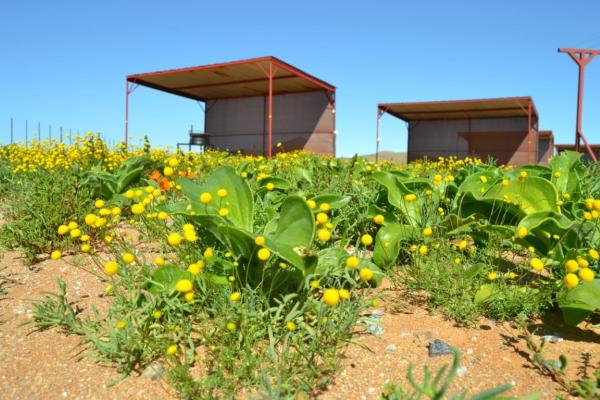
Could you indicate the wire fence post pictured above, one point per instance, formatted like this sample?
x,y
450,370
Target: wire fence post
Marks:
x,y
39,132
61,134
50,131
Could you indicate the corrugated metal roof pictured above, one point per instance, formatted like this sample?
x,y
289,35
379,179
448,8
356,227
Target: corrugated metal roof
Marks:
x,y
243,78
461,109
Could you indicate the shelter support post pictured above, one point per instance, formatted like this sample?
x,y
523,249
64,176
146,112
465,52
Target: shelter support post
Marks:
x,y
270,141
529,132
380,113
582,57
129,88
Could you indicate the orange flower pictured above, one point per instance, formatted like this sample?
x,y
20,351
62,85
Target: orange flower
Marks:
x,y
165,184
155,176
182,173
191,175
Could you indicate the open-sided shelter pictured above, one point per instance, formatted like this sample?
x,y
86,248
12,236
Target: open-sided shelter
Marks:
x,y
505,129
251,105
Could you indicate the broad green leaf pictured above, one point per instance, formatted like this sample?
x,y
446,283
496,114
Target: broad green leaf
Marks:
x,y
388,217
567,171
334,201
166,277
396,192
388,242
239,198
483,293
473,270
278,183
530,194
575,313
586,292
296,225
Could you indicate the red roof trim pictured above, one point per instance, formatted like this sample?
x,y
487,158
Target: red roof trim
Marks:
x,y
139,78
384,106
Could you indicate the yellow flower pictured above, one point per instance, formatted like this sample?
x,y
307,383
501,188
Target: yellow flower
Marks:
x,y
291,326
108,239
159,261
72,225
195,269
536,264
63,230
235,296
189,297
209,252
378,219
462,246
56,255
492,276
352,262
75,233
168,171
264,254
260,240
331,297
457,261
121,324
322,218
326,207
184,286
571,280
522,232
223,212
205,198
99,203
410,197
344,294
222,193
111,268
157,314
594,254
427,231
586,274
173,162
557,174
582,262
483,179
85,248
162,215
423,250
597,205
138,209
571,265
324,235
128,258
314,284
311,204
190,236
505,182
231,326
172,350
366,239
511,275
90,219
270,186
174,238
366,274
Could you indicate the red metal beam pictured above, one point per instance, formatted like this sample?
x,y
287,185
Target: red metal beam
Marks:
x,y
240,82
582,57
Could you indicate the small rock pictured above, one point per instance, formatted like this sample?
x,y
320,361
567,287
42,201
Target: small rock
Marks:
x,y
375,329
439,348
371,390
552,338
461,371
20,310
377,312
390,348
469,351
153,371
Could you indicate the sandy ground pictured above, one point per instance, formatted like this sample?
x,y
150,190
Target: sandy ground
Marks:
x,y
49,365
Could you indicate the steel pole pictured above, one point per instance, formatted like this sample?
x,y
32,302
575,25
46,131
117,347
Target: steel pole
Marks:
x,y
579,104
126,112
270,141
377,136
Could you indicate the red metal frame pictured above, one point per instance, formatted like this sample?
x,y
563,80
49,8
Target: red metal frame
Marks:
x,y
275,65
582,57
129,88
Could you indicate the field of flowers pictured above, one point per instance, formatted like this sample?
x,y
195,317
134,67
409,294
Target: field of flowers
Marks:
x,y
263,270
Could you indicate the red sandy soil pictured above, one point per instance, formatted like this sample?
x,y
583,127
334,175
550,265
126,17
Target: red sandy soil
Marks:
x,y
50,364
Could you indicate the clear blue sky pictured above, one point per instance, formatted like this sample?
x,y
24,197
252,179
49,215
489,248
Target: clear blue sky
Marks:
x,y
65,62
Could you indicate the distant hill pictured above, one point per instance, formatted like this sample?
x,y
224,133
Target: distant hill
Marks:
x,y
396,157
